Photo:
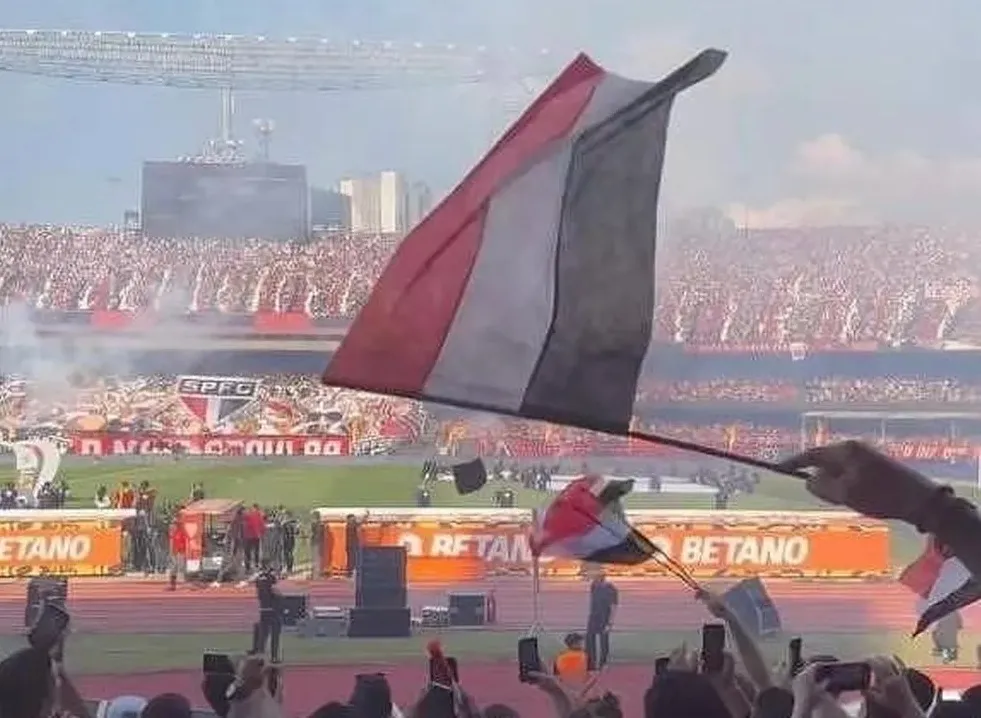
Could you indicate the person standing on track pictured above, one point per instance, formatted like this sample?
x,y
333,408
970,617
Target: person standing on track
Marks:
x,y
270,612
178,552
603,601
254,528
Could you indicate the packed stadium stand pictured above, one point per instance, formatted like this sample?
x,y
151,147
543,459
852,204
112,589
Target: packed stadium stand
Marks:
x,y
754,330
862,287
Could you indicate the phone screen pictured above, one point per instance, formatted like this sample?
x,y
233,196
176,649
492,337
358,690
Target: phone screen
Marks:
x,y
218,664
529,660
713,647
50,627
842,677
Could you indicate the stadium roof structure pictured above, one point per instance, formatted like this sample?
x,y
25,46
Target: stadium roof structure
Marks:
x,y
240,62
892,415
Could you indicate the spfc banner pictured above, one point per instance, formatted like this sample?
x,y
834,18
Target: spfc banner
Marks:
x,y
214,399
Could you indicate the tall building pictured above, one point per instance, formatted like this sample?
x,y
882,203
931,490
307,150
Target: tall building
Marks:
x,y
419,201
364,195
329,209
392,202
379,203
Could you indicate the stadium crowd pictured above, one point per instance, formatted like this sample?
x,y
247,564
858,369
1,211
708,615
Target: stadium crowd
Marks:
x,y
761,289
840,390
291,405
716,682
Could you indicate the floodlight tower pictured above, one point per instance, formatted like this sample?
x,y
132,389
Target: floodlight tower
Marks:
x,y
264,131
230,63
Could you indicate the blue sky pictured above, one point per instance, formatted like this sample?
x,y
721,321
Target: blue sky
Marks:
x,y
826,112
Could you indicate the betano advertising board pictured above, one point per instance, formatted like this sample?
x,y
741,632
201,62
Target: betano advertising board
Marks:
x,y
61,543
449,545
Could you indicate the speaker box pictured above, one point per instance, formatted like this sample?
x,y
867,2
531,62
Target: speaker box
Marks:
x,y
468,609
382,565
393,596
294,610
381,578
379,623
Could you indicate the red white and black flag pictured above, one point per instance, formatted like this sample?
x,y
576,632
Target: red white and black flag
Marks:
x,y
529,290
585,521
942,582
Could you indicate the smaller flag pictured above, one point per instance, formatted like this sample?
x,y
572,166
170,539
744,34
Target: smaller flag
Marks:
x,y
942,582
586,521
469,477
752,605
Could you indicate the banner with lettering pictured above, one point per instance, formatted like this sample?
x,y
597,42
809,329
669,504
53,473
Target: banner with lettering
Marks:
x,y
448,546
108,444
56,546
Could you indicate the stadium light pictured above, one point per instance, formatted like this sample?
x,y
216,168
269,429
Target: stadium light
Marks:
x,y
240,62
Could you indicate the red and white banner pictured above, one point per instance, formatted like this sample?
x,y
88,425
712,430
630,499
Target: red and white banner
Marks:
x,y
931,451
103,444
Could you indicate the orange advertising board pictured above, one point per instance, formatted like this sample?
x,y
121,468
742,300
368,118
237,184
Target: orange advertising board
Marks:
x,y
60,547
710,544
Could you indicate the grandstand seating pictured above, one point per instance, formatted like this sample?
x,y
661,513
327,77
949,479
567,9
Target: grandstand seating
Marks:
x,y
295,405
764,289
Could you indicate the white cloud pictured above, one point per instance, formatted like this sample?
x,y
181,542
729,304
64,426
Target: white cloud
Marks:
x,y
800,212
831,181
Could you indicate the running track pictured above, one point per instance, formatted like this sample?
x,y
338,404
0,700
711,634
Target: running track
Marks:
x,y
145,606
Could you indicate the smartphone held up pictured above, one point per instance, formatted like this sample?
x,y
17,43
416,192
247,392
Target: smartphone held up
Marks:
x,y
713,647
529,659
844,677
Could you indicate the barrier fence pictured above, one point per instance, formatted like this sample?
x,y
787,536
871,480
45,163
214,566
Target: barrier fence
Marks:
x,y
454,545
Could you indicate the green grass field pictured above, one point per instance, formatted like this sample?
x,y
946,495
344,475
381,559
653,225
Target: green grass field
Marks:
x,y
302,486
125,653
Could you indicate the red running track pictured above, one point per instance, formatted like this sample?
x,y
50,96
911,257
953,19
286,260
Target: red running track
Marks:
x,y
145,606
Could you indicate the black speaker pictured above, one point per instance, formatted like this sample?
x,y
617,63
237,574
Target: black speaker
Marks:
x,y
382,565
381,578
381,596
468,609
379,623
294,610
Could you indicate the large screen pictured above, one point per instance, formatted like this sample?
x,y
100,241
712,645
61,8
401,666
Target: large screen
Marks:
x,y
187,199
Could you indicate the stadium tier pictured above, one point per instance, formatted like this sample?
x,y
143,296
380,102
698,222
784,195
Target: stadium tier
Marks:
x,y
798,291
296,415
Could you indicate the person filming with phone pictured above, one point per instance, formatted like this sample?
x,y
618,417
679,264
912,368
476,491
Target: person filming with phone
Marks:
x,y
603,601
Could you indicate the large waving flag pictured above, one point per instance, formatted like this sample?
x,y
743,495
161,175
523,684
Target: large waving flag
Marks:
x,y
585,521
942,582
529,290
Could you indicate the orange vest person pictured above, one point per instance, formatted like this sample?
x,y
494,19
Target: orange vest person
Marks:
x,y
572,665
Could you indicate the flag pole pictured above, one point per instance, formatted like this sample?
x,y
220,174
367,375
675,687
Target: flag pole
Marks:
x,y
536,578
536,624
